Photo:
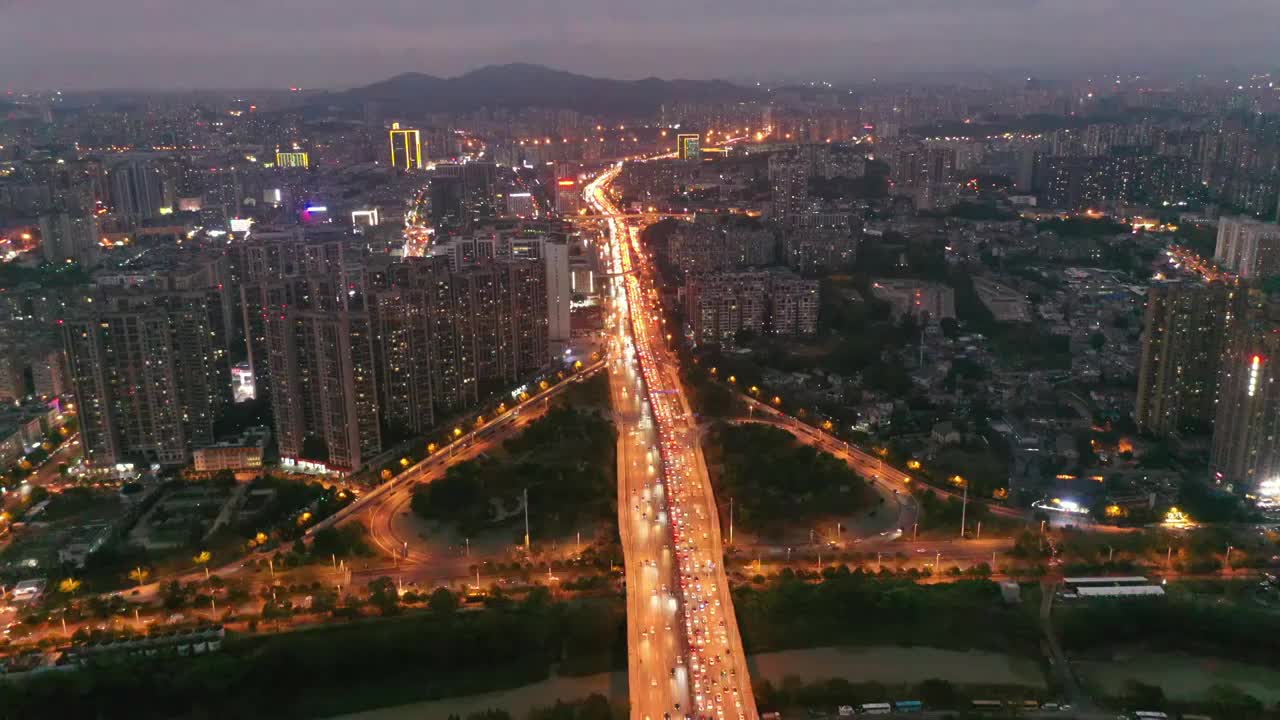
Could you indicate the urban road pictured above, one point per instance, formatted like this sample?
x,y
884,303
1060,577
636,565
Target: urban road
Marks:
x,y
685,653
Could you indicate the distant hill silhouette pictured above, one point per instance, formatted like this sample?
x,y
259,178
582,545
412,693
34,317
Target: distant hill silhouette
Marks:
x,y
524,85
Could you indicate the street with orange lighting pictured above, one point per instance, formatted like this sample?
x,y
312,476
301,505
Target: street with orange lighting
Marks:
x,y
685,651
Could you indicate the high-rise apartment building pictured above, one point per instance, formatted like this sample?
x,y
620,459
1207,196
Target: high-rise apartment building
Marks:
x,y
149,376
793,304
446,201
789,184
1248,247
138,189
1246,432
720,305
1185,332
520,204
555,256
363,353
69,237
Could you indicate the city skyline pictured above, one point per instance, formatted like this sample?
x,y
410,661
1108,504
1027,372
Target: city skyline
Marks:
x,y
132,45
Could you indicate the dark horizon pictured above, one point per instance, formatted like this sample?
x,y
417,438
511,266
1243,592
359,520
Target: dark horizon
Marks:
x,y
138,45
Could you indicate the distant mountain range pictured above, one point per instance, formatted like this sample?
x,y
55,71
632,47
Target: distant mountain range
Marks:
x,y
522,85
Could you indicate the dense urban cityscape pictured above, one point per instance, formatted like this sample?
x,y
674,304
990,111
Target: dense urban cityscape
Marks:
x,y
524,393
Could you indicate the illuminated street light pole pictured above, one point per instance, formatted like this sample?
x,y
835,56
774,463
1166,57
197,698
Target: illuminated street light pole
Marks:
x,y
526,520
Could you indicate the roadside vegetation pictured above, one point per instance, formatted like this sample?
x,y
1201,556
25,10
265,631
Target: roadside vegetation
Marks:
x,y
336,669
566,462
777,481
857,608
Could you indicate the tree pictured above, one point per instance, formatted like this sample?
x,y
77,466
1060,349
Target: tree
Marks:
x,y
950,328
173,595
442,601
1147,697
384,596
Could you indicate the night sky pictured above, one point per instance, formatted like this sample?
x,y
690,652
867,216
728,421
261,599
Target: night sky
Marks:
x,y
86,44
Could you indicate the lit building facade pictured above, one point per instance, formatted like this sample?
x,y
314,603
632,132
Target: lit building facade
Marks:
x,y
406,147
1182,345
295,159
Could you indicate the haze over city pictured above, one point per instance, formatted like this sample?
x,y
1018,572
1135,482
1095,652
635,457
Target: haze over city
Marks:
x,y
645,360
185,44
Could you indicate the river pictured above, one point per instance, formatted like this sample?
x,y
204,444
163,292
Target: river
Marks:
x,y
858,664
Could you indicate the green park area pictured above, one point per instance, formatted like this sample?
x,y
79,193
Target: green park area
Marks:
x,y
857,608
564,461
778,482
1190,652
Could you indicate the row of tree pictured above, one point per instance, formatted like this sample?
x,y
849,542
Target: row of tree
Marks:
x,y
859,608
338,669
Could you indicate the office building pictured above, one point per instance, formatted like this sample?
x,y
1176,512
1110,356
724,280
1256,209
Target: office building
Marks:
x,y
688,146
406,147
926,302
293,160
568,196
244,453
445,201
520,204
1182,345
138,189
480,182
